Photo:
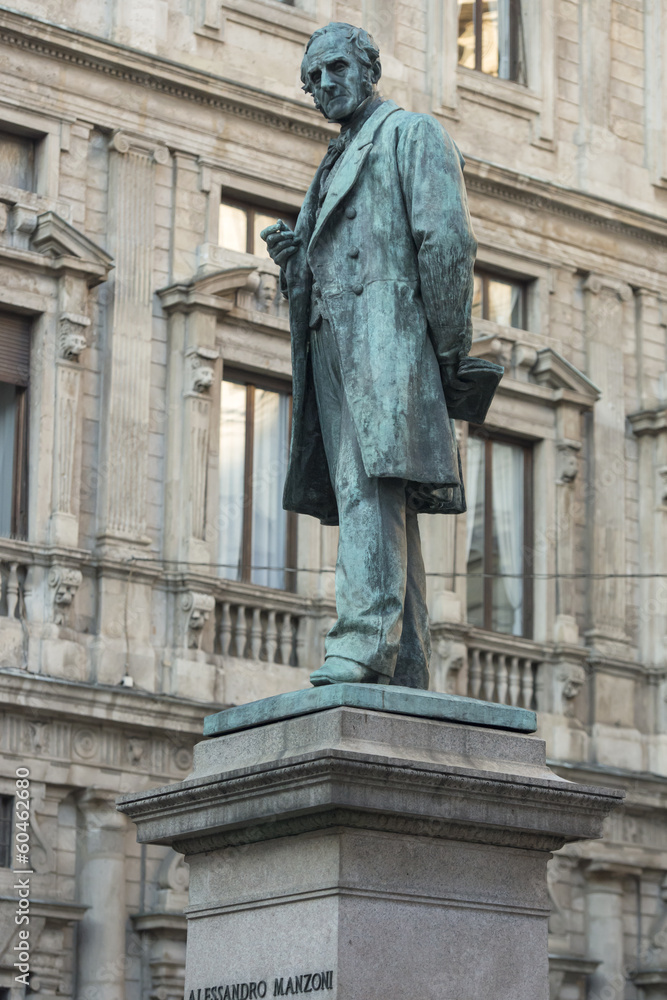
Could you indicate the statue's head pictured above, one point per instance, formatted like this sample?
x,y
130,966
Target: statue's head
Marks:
x,y
340,68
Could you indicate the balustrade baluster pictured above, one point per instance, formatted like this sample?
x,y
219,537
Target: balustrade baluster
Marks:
x,y
514,684
12,589
488,676
537,700
240,633
502,679
271,637
475,674
301,640
225,628
526,683
256,633
286,639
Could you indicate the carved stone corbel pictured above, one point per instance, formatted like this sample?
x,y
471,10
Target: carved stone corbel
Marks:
x,y
201,370
568,460
571,678
65,583
72,335
662,486
197,608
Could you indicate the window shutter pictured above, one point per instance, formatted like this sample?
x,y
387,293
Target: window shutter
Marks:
x,y
14,349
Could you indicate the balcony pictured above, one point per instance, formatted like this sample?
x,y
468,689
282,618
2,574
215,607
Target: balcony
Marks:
x,y
259,641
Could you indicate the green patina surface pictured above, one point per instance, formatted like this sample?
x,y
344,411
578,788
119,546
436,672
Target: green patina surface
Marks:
x,y
375,697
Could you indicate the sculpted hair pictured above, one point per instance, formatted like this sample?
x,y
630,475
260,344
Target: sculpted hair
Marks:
x,y
362,44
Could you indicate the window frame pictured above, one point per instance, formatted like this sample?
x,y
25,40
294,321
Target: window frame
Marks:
x,y
251,208
527,610
514,42
20,466
487,274
273,383
18,527
6,825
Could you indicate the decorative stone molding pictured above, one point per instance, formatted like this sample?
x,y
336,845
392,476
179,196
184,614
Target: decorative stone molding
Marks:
x,y
211,292
122,142
65,583
568,460
24,220
56,239
98,807
197,608
649,422
551,369
599,284
72,335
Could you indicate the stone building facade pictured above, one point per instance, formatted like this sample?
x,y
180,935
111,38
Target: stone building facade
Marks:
x,y
147,571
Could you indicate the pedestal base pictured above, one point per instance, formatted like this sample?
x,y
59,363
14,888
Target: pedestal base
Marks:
x,y
368,855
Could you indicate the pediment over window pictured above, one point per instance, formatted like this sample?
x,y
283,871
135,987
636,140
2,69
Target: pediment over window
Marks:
x,y
552,370
215,291
534,371
56,238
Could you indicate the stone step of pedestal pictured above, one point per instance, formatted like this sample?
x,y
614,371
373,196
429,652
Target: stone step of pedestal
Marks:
x,y
376,697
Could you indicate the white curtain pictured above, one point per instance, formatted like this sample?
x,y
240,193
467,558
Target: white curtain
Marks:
x,y
504,39
475,455
7,432
269,520
508,525
232,468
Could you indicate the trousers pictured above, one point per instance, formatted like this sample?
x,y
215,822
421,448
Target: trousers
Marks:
x,y
380,580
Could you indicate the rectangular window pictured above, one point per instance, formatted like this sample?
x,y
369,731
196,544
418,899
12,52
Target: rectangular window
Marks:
x,y
241,223
499,532
257,537
6,817
14,377
501,300
491,38
17,160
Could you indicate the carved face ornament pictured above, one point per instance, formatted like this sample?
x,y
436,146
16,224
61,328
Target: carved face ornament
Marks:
x,y
337,79
65,594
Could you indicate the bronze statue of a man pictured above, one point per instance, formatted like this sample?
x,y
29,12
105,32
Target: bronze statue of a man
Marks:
x,y
379,275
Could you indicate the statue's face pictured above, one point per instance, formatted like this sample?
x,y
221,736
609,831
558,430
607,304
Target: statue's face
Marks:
x,y
338,81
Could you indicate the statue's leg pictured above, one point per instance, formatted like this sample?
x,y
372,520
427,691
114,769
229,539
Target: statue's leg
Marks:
x,y
371,569
414,652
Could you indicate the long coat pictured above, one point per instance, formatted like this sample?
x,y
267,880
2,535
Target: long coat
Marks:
x,y
392,251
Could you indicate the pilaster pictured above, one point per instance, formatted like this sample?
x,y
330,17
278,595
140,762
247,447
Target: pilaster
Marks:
x,y
608,307
122,513
101,954
650,427
604,923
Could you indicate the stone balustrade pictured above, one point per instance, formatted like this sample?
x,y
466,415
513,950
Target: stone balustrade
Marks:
x,y
490,666
274,628
506,678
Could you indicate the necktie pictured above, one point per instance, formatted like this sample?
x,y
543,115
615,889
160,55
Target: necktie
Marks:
x,y
335,150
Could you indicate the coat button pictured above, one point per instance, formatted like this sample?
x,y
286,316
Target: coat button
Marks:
x,y
353,252
351,213
357,289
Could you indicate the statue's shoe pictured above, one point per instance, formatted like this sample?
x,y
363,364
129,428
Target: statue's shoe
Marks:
x,y
337,670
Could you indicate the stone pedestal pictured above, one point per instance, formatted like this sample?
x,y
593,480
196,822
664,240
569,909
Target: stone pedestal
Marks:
x,y
350,842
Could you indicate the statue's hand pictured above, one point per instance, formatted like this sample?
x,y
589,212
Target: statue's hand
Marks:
x,y
281,242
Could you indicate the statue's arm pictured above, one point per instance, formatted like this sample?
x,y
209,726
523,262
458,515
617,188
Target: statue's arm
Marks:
x,y
430,168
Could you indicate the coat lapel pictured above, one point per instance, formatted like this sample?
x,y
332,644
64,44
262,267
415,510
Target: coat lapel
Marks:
x,y
350,166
